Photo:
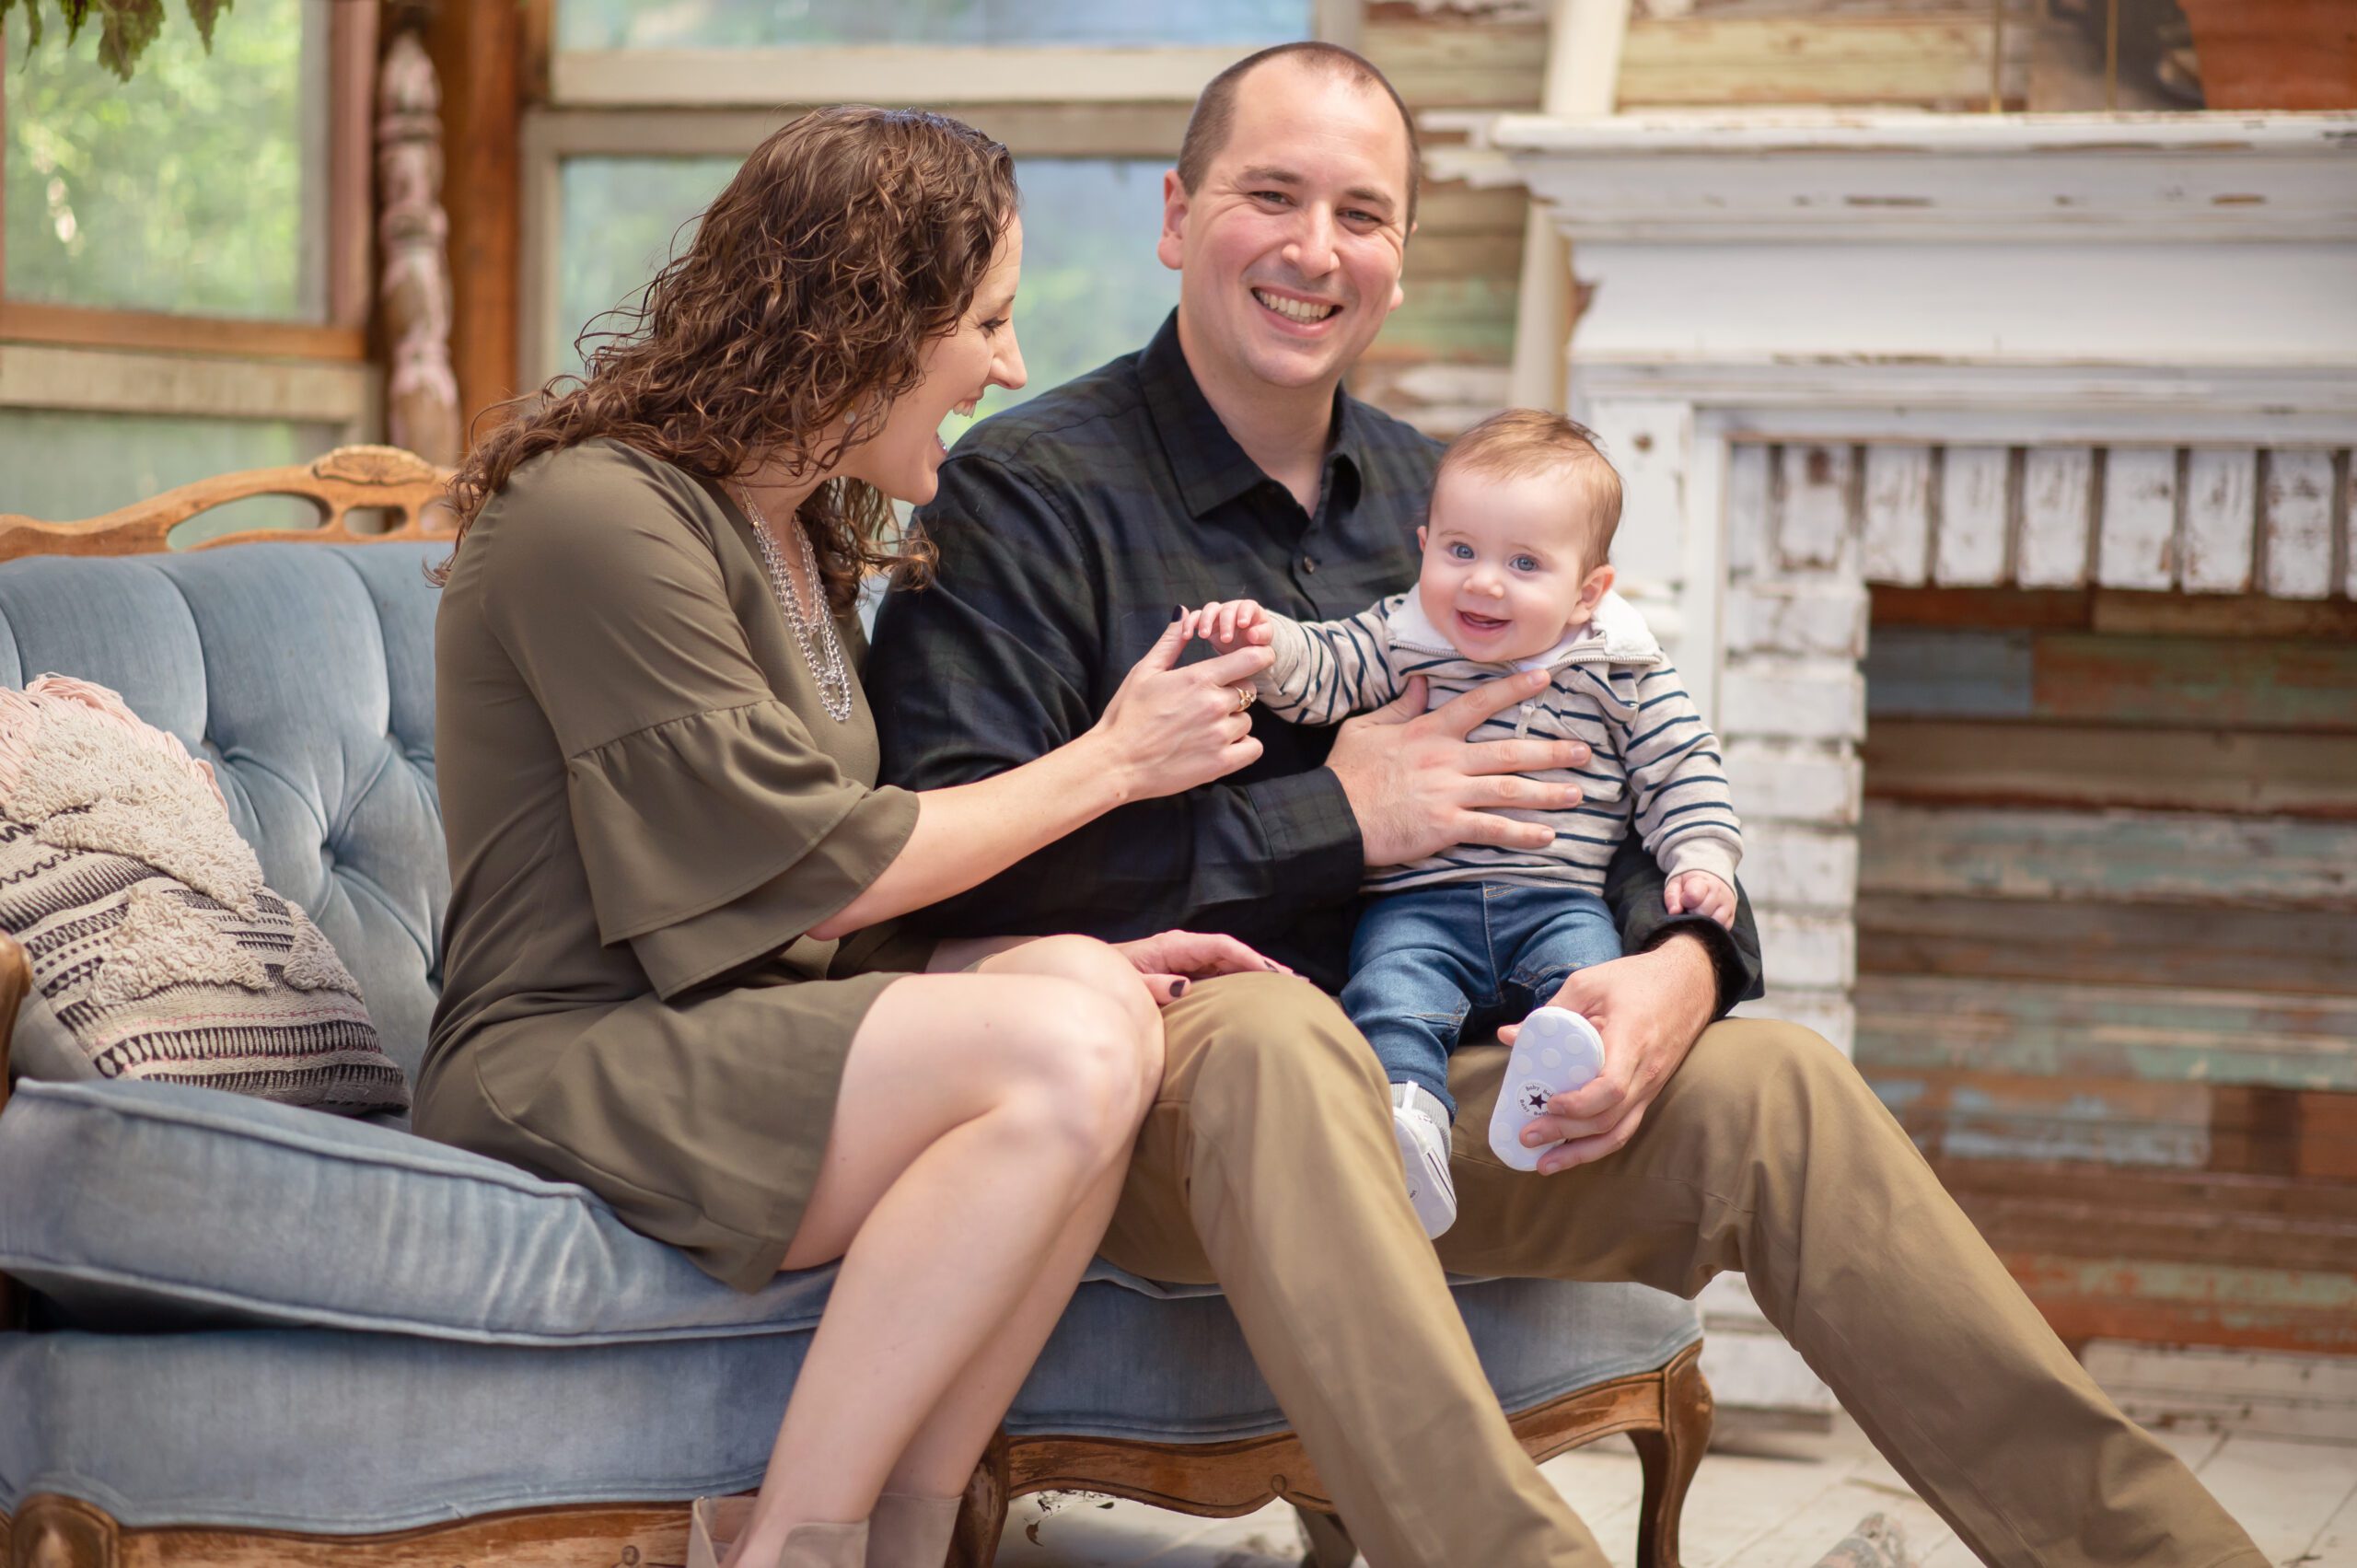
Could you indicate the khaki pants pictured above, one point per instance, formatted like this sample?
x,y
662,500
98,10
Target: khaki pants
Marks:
x,y
1268,1164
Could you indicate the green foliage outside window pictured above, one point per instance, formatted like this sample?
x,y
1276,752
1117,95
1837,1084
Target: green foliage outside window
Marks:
x,y
1091,285
184,189
126,26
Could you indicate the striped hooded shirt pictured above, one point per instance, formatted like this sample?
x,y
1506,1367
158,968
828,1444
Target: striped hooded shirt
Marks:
x,y
1613,689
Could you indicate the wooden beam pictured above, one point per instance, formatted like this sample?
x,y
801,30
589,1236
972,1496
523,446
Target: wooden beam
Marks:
x,y
478,54
2125,857
2153,1034
2215,685
69,324
2172,1257
352,95
2104,944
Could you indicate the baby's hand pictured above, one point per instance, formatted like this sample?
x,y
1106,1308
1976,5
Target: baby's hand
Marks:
x,y
1699,892
1230,624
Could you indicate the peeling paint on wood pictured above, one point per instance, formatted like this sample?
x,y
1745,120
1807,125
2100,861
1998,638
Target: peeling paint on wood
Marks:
x,y
2124,856
2190,1303
1799,868
2296,523
2100,943
1898,522
2057,486
2158,1034
1975,515
1814,496
2173,683
2139,539
1983,763
1801,698
2221,518
1960,1114
1913,672
1797,783
1746,507
1988,762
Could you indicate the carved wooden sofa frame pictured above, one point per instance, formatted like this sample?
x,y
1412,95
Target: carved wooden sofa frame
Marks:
x,y
1666,1413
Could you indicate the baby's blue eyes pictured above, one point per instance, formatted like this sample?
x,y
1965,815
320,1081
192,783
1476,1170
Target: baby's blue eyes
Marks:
x,y
1460,550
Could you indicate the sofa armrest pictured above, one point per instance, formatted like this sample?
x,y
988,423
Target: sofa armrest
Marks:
x,y
16,979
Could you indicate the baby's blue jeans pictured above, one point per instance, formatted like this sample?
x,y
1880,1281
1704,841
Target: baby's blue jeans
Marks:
x,y
1427,962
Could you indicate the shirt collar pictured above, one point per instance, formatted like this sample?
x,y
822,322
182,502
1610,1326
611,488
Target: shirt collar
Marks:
x,y
1210,467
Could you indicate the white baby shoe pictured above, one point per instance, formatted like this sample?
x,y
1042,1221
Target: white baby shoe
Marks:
x,y
1556,1051
1420,1123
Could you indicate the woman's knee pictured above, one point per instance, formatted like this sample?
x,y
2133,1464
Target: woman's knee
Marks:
x,y
1097,966
1084,1072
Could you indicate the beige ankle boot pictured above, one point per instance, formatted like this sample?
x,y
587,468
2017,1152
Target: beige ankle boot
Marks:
x,y
715,1523
908,1532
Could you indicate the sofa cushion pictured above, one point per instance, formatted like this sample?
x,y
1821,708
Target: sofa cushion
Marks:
x,y
305,674
157,951
347,1434
144,1206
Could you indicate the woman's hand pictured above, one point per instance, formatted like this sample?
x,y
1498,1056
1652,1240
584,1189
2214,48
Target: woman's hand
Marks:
x,y
1168,962
1170,729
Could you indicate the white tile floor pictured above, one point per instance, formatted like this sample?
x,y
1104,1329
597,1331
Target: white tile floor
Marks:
x,y
1760,1501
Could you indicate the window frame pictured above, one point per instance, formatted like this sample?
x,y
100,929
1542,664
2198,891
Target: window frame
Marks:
x,y
105,360
1043,101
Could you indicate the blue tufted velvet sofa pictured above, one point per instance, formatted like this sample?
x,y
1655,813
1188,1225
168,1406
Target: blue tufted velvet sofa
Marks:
x,y
225,1324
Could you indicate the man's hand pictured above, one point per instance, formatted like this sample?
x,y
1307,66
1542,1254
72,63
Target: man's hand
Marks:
x,y
1699,892
1649,1007
1417,786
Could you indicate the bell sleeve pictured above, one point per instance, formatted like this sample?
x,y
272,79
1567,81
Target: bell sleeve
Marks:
x,y
711,826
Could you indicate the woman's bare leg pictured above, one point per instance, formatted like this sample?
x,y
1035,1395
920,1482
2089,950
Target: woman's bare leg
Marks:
x,y
941,1457
977,1113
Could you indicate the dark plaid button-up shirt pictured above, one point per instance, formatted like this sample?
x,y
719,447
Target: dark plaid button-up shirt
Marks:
x,y
1070,529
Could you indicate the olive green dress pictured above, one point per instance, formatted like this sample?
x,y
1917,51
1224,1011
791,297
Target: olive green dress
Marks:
x,y
647,807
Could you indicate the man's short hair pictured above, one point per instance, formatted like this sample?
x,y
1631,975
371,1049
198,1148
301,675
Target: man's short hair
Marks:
x,y
1215,116
1526,441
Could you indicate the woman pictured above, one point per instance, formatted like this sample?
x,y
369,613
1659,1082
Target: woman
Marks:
x,y
669,974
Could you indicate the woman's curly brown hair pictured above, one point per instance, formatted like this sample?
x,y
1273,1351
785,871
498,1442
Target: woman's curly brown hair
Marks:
x,y
851,240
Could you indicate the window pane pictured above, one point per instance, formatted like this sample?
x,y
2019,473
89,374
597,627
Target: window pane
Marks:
x,y
198,187
625,24
1091,285
62,466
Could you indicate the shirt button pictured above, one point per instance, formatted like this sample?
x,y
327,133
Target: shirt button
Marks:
x,y
1307,564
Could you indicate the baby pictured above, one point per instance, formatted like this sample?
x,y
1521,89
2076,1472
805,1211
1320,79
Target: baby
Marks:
x,y
1515,578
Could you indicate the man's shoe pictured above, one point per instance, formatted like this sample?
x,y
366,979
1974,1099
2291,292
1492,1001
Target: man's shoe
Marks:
x,y
1420,1123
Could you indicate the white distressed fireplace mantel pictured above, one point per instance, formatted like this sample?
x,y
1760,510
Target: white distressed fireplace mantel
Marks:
x,y
1800,325
1827,351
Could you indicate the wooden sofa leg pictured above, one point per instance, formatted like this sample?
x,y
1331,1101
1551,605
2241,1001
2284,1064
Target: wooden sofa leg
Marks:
x,y
983,1518
1330,1545
61,1532
1670,1456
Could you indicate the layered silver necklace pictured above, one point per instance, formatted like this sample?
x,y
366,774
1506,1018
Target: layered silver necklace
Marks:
x,y
814,628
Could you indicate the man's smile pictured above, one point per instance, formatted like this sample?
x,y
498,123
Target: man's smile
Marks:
x,y
1300,312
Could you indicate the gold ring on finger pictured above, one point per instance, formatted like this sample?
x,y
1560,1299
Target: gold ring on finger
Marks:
x,y
1244,695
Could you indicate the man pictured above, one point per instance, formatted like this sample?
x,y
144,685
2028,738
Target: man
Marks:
x,y
1225,460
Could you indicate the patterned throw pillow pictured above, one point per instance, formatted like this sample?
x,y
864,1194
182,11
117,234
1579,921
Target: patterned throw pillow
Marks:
x,y
157,951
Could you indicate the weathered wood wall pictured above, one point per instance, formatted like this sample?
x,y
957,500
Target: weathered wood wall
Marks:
x,y
2094,714
2107,928
1442,360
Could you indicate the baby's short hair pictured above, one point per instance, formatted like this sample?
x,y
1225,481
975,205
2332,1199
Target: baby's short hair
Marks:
x,y
1524,441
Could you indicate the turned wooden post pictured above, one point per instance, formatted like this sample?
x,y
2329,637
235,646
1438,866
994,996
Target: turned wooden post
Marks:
x,y
421,391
